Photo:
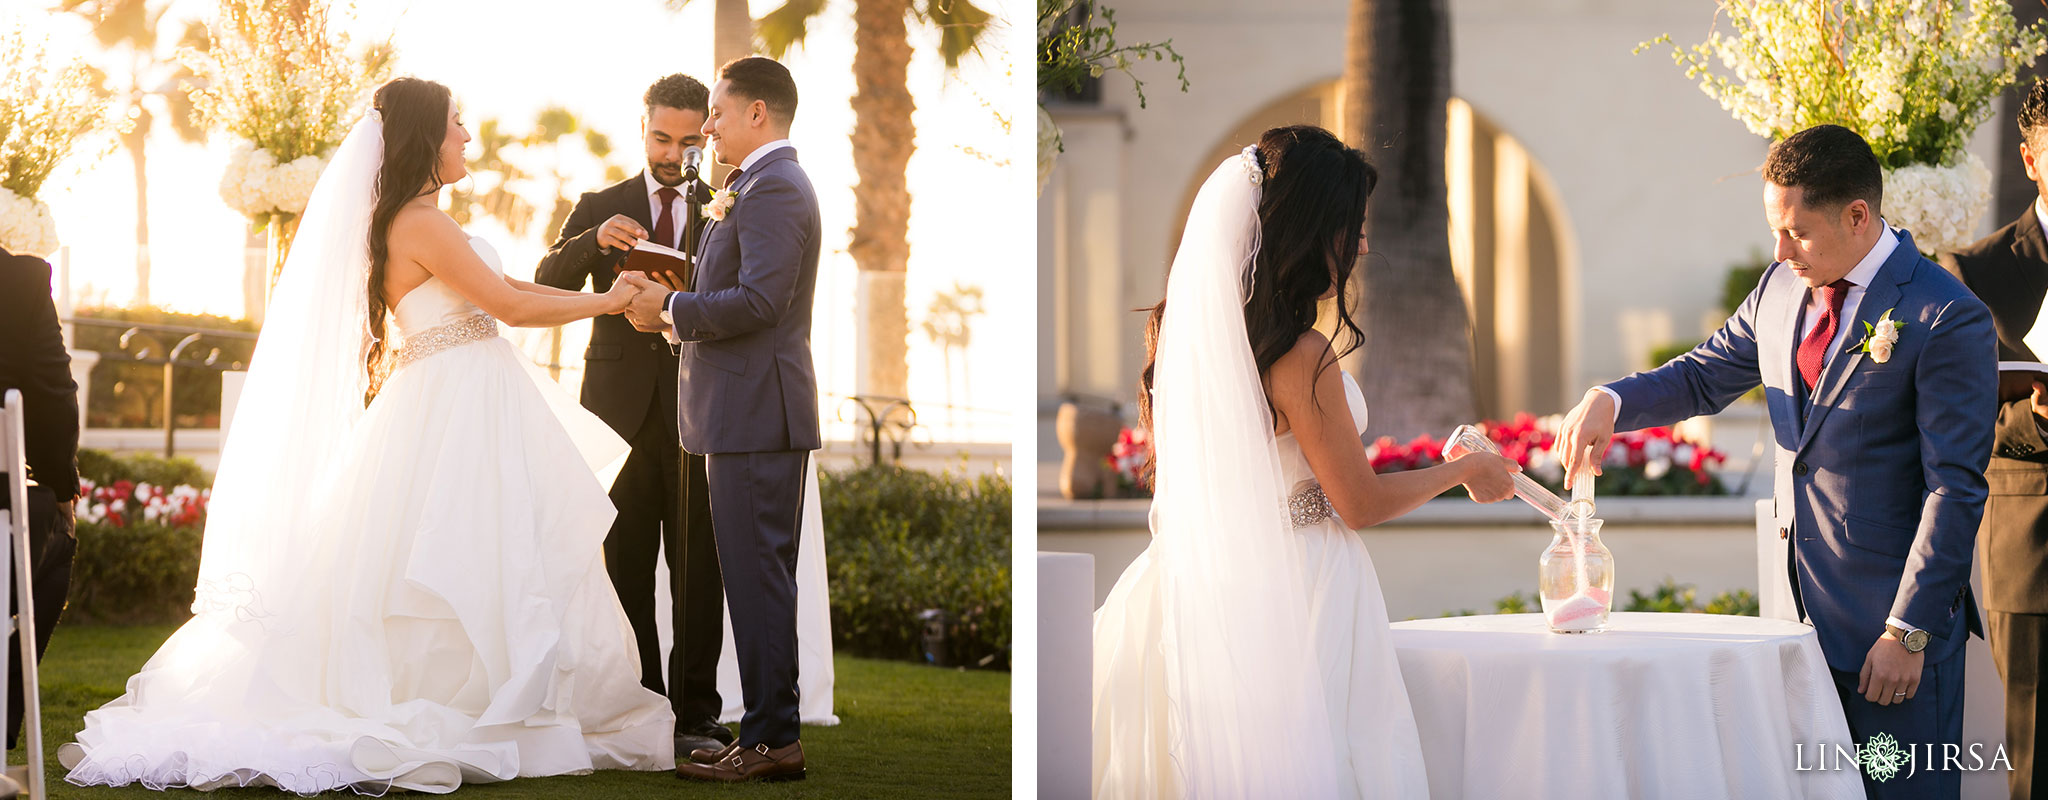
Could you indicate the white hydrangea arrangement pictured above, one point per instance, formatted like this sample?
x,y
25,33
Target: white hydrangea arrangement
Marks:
x,y
283,80
256,185
26,225
1914,77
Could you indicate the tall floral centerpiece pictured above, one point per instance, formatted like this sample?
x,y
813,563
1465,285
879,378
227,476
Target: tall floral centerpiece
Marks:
x,y
1914,77
281,79
49,108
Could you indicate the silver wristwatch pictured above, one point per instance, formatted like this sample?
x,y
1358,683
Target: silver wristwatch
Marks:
x,y
666,302
1915,641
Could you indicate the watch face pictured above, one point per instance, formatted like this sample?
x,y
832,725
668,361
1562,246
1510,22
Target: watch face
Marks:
x,y
1916,641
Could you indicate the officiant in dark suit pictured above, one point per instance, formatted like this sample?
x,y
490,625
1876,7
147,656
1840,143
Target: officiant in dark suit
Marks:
x,y
2008,270
33,359
629,382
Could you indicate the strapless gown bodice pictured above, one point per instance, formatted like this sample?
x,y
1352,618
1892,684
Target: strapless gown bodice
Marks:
x,y
435,303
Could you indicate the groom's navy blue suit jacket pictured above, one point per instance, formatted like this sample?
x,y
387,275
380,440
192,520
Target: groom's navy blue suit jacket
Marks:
x,y
747,381
1880,472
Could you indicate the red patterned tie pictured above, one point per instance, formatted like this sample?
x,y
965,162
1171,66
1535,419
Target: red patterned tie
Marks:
x,y
1813,350
665,227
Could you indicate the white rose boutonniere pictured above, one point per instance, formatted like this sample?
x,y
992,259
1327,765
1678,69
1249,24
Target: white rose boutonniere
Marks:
x,y
720,205
1879,339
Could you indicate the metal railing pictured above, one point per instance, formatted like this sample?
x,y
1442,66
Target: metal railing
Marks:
x,y
886,418
156,348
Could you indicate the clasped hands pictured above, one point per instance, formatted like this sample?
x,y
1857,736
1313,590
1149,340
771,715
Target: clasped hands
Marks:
x,y
643,293
643,298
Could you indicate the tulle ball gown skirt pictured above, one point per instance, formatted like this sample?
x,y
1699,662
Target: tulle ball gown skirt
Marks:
x,y
446,618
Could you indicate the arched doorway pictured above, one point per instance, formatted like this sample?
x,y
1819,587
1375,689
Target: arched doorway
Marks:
x,y
1511,247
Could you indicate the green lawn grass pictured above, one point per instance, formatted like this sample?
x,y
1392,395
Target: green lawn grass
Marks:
x,y
905,731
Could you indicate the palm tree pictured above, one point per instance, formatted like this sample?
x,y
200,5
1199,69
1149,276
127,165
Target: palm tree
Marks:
x,y
732,29
147,85
502,203
1418,335
883,139
949,323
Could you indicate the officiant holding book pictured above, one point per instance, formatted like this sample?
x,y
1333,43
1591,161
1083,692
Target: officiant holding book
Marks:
x,y
629,381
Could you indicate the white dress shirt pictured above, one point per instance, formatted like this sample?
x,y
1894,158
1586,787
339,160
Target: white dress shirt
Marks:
x,y
1859,277
676,207
762,152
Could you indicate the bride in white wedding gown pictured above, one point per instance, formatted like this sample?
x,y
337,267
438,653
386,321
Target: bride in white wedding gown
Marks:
x,y
407,596
1245,653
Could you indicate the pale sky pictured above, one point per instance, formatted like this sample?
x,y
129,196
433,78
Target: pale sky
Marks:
x,y
970,179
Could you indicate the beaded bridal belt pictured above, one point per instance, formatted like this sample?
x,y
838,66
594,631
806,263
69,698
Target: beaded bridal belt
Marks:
x,y
469,330
1309,506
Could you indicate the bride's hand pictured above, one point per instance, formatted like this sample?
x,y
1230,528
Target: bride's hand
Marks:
x,y
1488,477
626,287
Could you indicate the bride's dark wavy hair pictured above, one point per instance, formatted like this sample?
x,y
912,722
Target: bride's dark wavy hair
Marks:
x,y
1311,207
415,116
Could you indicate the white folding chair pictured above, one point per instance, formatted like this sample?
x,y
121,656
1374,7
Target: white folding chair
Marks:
x,y
14,522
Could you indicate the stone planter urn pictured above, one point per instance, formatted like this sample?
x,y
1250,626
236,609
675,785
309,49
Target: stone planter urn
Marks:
x,y
1086,436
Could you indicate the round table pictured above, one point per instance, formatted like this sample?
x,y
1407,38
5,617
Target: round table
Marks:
x,y
1657,705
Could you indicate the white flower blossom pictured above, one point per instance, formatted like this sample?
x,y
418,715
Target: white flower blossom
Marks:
x,y
26,226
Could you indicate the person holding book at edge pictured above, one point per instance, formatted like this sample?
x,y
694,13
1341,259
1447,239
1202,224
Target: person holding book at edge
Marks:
x,y
629,381
2008,270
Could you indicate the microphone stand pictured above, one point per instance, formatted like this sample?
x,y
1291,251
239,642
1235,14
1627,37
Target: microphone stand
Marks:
x,y
679,579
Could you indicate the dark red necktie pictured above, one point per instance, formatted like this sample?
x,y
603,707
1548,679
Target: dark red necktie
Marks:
x,y
665,227
1813,350
732,178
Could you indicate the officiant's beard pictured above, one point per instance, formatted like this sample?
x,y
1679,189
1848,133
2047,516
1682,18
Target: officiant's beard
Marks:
x,y
662,172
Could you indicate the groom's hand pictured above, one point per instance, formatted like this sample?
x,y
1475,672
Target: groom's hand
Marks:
x,y
1890,674
645,309
1587,430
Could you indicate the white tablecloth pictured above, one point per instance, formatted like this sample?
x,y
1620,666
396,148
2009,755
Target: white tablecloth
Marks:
x,y
1659,705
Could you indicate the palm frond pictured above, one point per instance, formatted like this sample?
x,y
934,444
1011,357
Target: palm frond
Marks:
x,y
961,27
787,26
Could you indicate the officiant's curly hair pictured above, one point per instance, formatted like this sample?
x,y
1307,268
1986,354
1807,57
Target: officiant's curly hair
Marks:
x,y
415,116
1312,198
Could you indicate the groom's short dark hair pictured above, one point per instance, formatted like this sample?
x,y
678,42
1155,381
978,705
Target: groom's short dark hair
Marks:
x,y
1831,164
680,92
2034,117
763,79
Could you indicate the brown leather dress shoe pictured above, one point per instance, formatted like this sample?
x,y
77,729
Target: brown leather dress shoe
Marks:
x,y
712,754
754,763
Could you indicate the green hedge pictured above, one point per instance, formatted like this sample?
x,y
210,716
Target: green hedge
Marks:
x,y
127,395
1669,597
899,542
105,468
141,572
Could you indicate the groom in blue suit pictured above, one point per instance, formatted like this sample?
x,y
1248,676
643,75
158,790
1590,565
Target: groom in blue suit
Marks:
x,y
1880,373
749,399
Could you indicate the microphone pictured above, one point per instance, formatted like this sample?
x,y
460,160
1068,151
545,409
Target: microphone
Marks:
x,y
691,155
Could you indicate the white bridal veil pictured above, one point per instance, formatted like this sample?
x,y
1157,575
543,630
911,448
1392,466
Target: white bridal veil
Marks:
x,y
303,394
1244,704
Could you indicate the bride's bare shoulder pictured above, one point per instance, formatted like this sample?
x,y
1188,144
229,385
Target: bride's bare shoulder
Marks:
x,y
420,227
1303,365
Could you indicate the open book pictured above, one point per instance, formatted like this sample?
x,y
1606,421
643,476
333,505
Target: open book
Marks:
x,y
652,258
2016,378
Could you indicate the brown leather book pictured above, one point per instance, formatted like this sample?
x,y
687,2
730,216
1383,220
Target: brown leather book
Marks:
x,y
652,258
2016,378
